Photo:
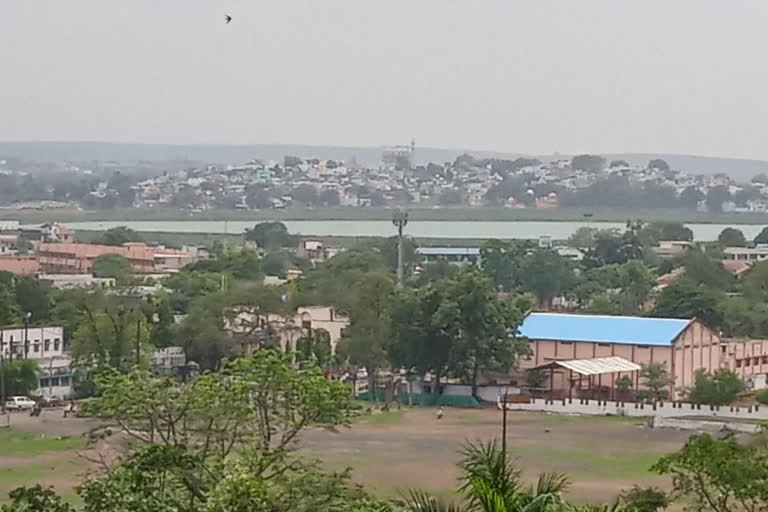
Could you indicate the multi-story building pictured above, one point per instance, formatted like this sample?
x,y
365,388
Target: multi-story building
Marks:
x,y
76,258
45,346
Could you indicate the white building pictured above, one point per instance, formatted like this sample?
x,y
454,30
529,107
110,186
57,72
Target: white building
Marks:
x,y
45,346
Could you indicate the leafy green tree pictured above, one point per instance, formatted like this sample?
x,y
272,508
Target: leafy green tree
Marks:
x,y
269,235
112,265
732,237
486,325
676,231
720,388
718,475
503,261
114,333
701,269
239,263
305,194
685,299
20,376
716,196
202,333
35,499
9,309
755,282
762,236
118,236
583,238
690,197
546,274
588,163
659,164
32,299
329,197
275,264
656,380
162,331
648,499
222,442
366,340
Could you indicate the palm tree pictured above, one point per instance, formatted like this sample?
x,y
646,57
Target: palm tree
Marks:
x,y
491,483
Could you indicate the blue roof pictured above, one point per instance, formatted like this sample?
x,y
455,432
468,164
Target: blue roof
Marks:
x,y
628,330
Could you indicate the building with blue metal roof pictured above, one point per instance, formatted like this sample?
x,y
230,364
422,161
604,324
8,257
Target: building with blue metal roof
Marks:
x,y
603,328
683,346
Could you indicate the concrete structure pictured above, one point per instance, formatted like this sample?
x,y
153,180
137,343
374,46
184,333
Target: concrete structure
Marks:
x,y
20,265
45,346
746,253
76,258
66,281
450,254
253,328
683,346
672,248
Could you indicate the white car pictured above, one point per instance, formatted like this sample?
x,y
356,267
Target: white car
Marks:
x,y
19,403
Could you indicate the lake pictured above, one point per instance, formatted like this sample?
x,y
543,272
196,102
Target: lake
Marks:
x,y
422,229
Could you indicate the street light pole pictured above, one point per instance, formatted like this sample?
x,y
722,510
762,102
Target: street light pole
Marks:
x,y
27,315
400,220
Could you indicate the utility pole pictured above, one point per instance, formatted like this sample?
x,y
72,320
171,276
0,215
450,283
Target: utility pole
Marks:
x,y
27,315
504,425
2,373
400,220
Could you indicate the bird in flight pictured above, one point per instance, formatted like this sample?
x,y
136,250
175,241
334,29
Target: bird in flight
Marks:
x,y
228,18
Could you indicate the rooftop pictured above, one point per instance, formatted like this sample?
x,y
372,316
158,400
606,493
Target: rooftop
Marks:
x,y
448,251
627,330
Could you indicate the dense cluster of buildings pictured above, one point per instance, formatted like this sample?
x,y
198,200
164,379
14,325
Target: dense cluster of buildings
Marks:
x,y
51,249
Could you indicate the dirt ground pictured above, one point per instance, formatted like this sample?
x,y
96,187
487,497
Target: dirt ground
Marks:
x,y
412,449
602,456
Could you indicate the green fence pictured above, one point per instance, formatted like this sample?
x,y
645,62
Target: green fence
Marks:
x,y
426,399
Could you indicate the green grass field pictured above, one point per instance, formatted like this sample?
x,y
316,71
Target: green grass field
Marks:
x,y
17,443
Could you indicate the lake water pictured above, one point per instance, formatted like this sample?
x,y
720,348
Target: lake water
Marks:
x,y
421,229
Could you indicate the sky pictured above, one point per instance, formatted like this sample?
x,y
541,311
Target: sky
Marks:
x,y
531,76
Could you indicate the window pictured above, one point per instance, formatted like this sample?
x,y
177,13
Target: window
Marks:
x,y
603,344
56,344
306,324
722,348
566,343
47,345
738,363
765,359
643,346
755,361
36,347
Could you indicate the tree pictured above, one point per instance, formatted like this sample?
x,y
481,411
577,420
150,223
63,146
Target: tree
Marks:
x,y
451,196
366,340
690,197
700,268
762,237
657,380
269,235
503,261
718,475
221,442
673,231
716,196
618,163
732,237
35,499
487,327
648,499
275,263
329,197
118,236
202,334
112,265
32,299
685,299
720,388
112,332
305,194
658,164
546,274
583,238
588,163
760,178
9,309
21,377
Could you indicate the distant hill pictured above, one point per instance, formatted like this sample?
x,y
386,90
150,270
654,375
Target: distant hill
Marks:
x,y
740,169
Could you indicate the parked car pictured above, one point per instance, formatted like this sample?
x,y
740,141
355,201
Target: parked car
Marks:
x,y
19,403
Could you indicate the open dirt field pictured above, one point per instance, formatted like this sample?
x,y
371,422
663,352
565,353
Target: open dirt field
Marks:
x,y
394,451
602,455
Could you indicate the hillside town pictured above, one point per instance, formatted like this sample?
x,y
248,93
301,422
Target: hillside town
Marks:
x,y
584,181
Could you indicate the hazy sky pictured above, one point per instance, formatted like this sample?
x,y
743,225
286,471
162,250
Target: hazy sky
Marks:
x,y
537,76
